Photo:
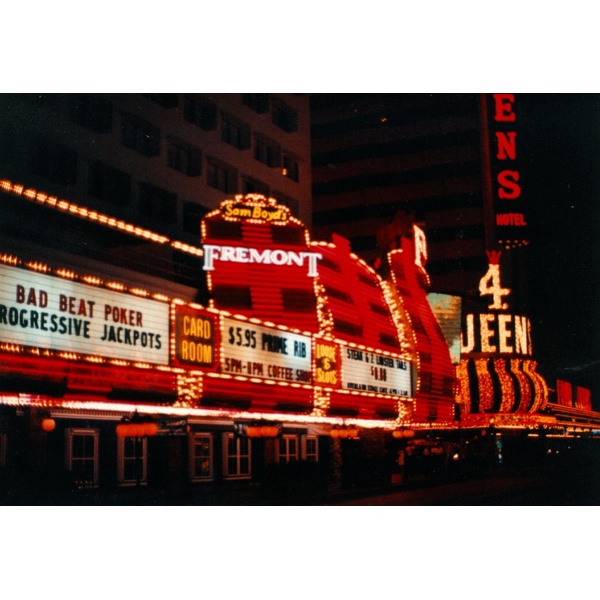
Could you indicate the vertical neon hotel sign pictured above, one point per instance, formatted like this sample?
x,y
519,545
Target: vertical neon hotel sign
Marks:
x,y
503,185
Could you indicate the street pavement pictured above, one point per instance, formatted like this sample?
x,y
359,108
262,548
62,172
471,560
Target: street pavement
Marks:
x,y
498,490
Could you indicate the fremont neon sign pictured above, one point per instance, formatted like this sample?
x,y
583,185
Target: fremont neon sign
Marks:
x,y
238,254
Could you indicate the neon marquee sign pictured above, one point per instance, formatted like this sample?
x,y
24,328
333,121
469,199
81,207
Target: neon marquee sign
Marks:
x,y
256,351
505,191
244,211
373,372
48,312
492,333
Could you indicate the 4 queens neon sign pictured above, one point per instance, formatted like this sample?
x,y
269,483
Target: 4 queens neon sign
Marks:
x,y
277,257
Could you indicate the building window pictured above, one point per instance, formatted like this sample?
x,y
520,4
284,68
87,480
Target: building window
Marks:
x,y
201,457
200,111
193,214
57,163
310,450
288,449
3,437
284,116
185,158
108,184
288,201
91,111
140,135
164,100
236,456
221,176
266,151
82,456
157,204
132,455
235,132
257,102
254,186
290,167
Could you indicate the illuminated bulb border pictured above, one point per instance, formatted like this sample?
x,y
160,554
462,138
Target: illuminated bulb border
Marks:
x,y
82,212
541,389
516,368
463,395
416,355
485,385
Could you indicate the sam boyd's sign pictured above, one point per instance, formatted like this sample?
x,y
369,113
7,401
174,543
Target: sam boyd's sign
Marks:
x,y
59,314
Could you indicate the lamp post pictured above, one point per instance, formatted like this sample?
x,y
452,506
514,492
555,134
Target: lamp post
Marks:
x,y
403,434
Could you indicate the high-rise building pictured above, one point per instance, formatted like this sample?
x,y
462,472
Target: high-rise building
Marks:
x,y
159,161
381,161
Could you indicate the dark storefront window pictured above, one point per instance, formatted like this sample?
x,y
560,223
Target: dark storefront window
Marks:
x,y
288,448
201,456
82,456
311,449
133,454
236,456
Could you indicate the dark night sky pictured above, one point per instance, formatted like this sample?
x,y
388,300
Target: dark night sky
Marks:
x,y
559,152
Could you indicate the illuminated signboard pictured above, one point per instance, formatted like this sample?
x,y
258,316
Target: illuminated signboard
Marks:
x,y
327,364
252,350
504,187
270,213
364,371
436,376
266,256
583,398
491,333
59,314
194,338
564,392
496,333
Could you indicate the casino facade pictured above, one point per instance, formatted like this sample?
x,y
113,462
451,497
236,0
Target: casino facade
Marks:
x,y
258,360
300,365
